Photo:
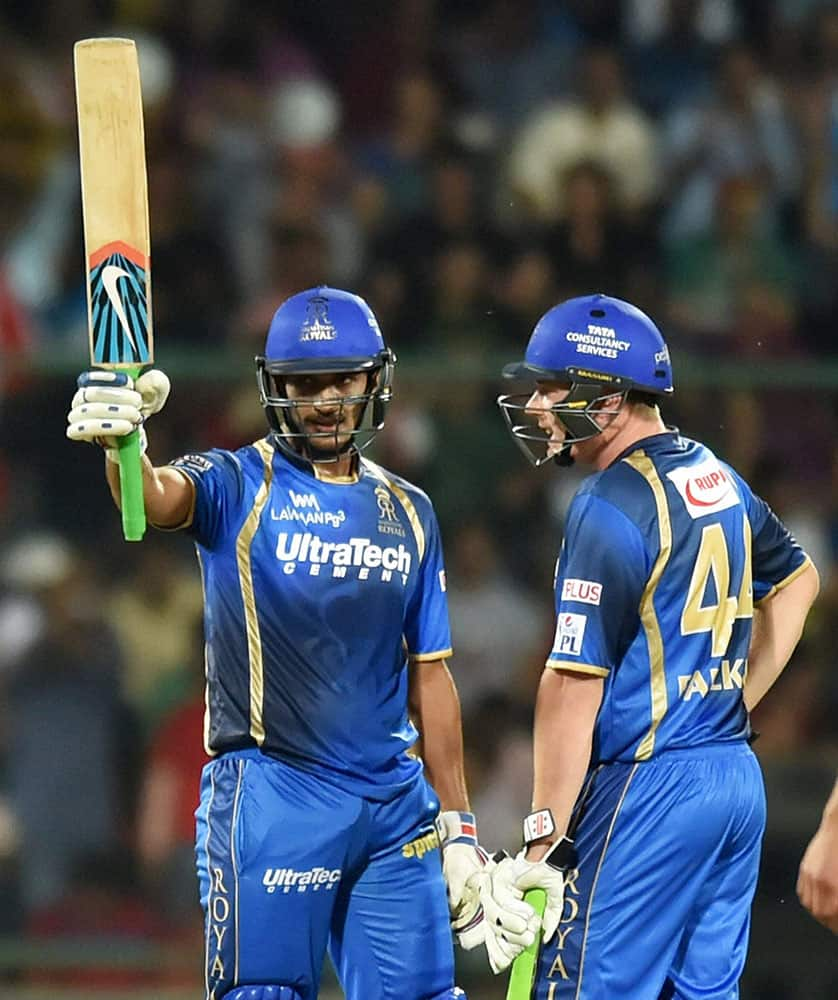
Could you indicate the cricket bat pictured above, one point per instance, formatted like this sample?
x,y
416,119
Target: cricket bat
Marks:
x,y
522,977
114,198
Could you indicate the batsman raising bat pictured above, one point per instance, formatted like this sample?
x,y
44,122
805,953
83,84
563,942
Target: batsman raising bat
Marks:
x,y
327,634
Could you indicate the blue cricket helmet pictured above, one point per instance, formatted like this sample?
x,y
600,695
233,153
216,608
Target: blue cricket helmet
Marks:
x,y
324,330
603,348
597,338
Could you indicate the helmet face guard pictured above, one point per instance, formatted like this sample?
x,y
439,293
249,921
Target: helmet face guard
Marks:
x,y
327,445
582,413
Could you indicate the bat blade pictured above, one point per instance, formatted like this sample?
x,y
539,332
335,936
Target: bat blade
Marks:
x,y
116,231
522,977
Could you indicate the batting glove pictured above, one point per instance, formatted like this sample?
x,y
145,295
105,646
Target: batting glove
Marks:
x,y
462,860
109,405
511,924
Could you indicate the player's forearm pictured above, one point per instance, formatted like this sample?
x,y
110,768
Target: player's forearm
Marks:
x,y
777,627
830,810
167,493
436,709
565,716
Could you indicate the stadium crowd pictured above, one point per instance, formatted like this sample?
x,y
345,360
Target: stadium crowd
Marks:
x,y
463,166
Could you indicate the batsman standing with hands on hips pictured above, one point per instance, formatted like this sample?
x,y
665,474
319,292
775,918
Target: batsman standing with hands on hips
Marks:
x,y
680,597
327,632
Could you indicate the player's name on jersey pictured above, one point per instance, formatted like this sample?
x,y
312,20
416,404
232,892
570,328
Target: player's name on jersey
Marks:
x,y
360,554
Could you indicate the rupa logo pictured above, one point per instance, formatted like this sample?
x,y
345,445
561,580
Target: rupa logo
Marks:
x,y
359,554
305,510
705,488
290,878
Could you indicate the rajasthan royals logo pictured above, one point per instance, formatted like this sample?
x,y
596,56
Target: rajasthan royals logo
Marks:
x,y
388,519
317,325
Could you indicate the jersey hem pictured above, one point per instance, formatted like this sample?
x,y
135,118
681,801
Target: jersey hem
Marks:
x,y
579,668
786,581
442,654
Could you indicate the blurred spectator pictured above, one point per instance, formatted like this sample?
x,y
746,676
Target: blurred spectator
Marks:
x,y
593,247
168,799
453,216
401,154
732,286
672,46
742,128
403,39
816,99
600,124
101,913
498,628
498,736
158,596
67,729
508,61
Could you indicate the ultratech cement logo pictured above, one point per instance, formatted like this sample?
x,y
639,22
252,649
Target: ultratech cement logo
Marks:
x,y
305,510
358,554
289,878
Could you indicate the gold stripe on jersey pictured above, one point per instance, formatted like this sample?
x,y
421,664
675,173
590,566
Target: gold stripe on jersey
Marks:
x,y
641,462
208,930
207,750
579,668
784,583
607,841
234,824
404,500
254,639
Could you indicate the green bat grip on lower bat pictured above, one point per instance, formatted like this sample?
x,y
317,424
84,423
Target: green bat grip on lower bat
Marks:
x,y
523,968
131,487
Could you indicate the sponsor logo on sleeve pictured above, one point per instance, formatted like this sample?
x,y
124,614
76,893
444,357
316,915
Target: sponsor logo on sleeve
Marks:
x,y
584,591
570,629
199,464
705,488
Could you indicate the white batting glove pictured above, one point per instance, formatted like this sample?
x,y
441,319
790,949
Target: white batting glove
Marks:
x,y
511,923
109,405
462,860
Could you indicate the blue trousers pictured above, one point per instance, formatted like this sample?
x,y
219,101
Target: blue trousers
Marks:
x,y
659,905
290,866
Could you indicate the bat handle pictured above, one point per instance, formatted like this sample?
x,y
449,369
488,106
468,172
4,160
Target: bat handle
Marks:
x,y
131,487
523,968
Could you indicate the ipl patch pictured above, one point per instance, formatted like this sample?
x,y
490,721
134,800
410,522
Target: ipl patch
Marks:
x,y
569,632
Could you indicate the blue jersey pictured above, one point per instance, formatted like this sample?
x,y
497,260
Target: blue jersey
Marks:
x,y
664,555
317,593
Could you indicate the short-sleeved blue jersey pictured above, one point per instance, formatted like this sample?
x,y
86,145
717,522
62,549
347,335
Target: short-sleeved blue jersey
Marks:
x,y
317,593
664,555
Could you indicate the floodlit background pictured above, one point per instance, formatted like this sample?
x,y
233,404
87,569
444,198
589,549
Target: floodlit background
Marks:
x,y
464,165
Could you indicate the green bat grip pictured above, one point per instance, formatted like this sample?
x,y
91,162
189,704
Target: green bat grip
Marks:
x,y
523,968
131,486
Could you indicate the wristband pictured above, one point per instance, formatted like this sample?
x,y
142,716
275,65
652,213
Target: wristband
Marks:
x,y
454,827
538,826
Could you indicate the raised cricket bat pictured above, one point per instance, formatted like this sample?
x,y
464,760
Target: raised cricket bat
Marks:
x,y
114,198
522,976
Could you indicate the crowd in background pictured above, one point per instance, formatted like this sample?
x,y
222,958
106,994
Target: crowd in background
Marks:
x,y
463,165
